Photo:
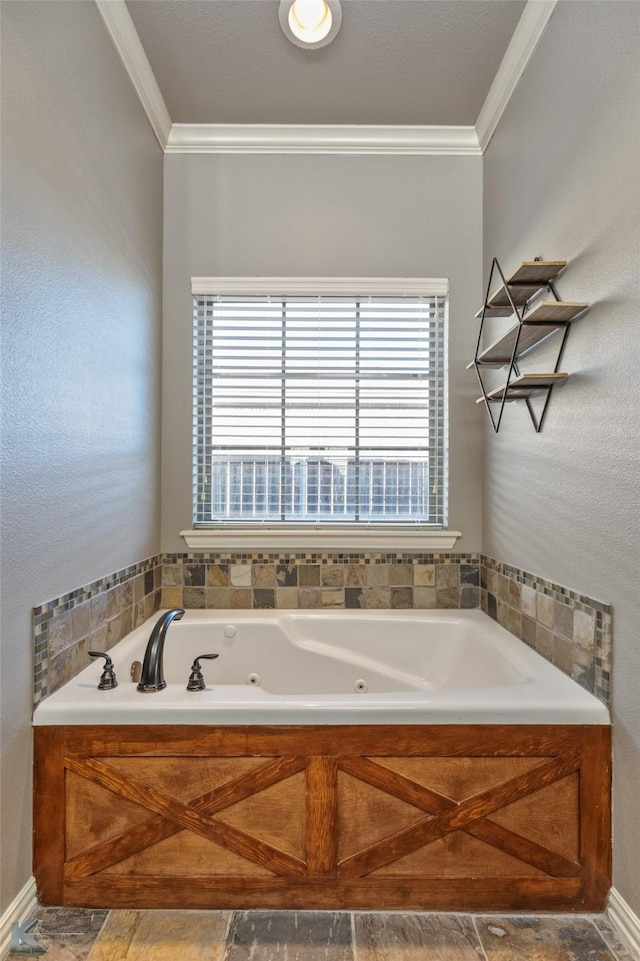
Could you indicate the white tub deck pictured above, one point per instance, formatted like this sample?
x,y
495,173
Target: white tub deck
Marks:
x,y
297,667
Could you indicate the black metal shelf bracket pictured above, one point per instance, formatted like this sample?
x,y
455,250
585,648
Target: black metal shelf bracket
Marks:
x,y
513,369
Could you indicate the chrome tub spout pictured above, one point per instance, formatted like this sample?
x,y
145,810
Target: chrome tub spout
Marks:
x,y
152,677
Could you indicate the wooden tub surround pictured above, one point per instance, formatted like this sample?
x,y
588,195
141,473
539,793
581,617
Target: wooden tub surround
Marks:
x,y
438,817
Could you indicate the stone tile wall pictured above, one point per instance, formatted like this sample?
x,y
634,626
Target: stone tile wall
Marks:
x,y
569,629
91,618
311,581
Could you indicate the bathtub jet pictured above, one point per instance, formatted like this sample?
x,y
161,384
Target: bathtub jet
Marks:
x,y
152,677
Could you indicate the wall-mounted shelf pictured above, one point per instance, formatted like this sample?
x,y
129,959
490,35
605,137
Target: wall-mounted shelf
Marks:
x,y
523,386
532,325
544,319
540,272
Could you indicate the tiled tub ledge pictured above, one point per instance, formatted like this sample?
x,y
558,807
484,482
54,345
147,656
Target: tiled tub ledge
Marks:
x,y
569,629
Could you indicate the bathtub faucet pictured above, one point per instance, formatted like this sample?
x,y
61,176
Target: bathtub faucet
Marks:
x,y
152,676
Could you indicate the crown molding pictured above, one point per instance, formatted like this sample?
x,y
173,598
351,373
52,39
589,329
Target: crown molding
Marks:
x,y
121,28
326,139
525,39
322,139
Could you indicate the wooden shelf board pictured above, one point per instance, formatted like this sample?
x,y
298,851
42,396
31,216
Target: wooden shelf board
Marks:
x,y
524,386
499,353
552,311
495,312
526,282
546,310
520,295
544,320
537,271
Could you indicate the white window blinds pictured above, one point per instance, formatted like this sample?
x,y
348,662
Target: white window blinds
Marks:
x,y
319,410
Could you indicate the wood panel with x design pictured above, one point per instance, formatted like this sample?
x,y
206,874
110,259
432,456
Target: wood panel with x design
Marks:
x,y
444,815
375,827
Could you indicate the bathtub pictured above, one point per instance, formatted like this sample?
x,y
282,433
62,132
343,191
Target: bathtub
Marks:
x,y
334,667
362,760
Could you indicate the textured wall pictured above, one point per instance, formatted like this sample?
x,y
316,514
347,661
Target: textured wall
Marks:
x,y
561,179
321,216
82,259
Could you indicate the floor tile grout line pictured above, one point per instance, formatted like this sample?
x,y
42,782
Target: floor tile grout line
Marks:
x,y
609,947
614,951
227,944
474,922
605,935
102,927
354,949
106,918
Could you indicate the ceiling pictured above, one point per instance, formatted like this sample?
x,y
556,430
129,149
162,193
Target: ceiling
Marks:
x,y
394,62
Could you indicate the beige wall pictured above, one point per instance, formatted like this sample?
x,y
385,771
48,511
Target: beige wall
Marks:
x,y
322,216
561,179
82,259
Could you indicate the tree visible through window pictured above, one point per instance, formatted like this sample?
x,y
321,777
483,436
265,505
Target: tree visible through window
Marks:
x,y
319,410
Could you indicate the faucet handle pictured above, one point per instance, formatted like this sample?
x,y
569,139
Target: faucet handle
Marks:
x,y
107,680
196,679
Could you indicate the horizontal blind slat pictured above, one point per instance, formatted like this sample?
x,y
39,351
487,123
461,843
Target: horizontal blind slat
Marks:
x,y
318,408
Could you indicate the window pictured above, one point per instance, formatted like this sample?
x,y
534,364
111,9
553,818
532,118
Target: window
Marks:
x,y
319,410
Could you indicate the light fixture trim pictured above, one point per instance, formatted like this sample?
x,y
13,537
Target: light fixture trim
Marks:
x,y
334,11
310,20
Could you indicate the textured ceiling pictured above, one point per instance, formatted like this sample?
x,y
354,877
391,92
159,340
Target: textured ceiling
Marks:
x,y
393,62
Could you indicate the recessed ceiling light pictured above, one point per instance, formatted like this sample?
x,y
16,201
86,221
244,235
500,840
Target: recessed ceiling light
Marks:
x,y
310,23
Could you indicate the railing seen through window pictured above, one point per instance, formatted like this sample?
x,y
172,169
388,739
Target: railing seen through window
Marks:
x,y
319,410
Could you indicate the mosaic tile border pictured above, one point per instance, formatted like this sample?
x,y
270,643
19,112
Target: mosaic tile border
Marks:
x,y
569,629
95,616
324,557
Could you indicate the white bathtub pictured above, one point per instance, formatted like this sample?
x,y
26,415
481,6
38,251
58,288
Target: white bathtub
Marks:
x,y
291,667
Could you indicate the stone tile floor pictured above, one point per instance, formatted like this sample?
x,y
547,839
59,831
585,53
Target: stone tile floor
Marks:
x,y
79,934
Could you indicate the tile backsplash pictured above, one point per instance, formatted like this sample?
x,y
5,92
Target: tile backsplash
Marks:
x,y
312,581
569,629
91,618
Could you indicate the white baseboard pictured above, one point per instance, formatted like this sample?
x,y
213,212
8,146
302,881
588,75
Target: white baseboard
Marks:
x,y
625,923
21,909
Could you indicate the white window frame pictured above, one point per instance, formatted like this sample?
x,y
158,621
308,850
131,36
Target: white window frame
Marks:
x,y
300,537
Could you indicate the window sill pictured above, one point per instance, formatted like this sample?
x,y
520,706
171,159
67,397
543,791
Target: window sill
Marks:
x,y
315,539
